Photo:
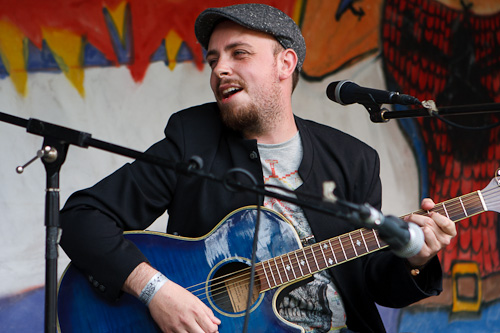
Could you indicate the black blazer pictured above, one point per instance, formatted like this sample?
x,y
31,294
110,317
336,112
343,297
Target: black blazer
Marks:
x,y
137,194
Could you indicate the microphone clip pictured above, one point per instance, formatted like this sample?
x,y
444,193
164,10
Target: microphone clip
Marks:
x,y
376,113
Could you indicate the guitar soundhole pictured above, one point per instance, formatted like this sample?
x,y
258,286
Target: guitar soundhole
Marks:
x,y
229,287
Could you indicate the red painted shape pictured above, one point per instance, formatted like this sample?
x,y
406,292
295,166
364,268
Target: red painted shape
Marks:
x,y
151,21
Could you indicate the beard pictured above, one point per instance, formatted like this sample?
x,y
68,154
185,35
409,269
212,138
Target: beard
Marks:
x,y
255,117
243,119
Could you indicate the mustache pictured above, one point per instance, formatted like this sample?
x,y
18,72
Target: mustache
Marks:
x,y
227,81
237,82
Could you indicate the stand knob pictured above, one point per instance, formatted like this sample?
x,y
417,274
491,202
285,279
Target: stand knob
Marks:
x,y
48,154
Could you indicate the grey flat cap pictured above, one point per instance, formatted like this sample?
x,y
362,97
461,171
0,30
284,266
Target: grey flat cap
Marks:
x,y
254,16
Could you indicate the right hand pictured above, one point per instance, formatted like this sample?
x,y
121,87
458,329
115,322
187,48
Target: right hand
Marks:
x,y
175,309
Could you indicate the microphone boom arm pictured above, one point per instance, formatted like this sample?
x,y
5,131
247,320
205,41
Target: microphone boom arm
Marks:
x,y
378,115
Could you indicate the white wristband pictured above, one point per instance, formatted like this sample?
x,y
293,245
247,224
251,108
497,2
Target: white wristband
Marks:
x,y
152,287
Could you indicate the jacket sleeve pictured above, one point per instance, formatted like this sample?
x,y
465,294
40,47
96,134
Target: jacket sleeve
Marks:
x,y
93,220
392,285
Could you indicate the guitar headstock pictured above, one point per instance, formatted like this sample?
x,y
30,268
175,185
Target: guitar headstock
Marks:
x,y
491,194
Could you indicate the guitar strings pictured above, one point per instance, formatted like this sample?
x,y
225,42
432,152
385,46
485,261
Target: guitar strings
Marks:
x,y
370,236
293,259
219,285
454,207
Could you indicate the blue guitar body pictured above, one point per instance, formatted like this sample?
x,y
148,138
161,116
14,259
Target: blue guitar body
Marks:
x,y
188,262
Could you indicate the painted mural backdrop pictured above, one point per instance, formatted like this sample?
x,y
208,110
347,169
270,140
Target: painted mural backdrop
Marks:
x,y
457,55
70,35
447,51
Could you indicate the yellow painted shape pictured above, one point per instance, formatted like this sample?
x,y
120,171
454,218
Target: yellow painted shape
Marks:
x,y
118,16
173,43
12,52
463,269
297,11
67,49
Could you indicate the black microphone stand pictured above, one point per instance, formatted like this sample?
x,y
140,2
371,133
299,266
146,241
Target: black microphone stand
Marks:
x,y
53,154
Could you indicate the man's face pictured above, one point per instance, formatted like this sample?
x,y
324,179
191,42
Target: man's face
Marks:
x,y
244,78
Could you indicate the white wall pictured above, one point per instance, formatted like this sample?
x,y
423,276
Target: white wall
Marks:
x,y
118,110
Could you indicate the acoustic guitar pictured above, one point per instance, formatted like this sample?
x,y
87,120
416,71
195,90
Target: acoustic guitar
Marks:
x,y
215,268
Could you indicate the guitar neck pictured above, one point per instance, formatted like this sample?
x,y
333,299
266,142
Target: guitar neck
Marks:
x,y
306,261
458,208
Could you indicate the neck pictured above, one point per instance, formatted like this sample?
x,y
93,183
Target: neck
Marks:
x,y
276,133
279,130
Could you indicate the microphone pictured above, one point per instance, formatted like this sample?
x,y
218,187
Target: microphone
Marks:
x,y
404,238
347,92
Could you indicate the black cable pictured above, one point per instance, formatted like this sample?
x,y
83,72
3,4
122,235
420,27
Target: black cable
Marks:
x,y
467,128
255,237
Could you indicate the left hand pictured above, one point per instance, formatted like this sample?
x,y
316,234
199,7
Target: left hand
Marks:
x,y
438,232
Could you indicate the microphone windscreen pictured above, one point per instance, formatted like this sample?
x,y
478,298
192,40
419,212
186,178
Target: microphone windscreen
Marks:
x,y
330,90
333,92
415,244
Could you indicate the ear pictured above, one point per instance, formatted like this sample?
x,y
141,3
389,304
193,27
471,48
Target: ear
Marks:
x,y
288,61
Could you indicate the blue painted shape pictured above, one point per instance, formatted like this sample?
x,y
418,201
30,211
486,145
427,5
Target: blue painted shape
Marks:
x,y
40,60
123,50
184,53
160,54
488,320
3,70
348,5
93,57
188,262
23,312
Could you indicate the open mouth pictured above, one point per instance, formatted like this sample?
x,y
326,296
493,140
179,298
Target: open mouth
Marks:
x,y
226,93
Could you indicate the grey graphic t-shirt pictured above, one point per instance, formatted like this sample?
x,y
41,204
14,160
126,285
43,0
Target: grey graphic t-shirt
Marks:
x,y
316,306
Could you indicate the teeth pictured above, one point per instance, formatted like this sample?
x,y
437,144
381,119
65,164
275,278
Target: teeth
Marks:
x,y
229,91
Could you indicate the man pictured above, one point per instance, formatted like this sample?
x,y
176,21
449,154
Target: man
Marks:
x,y
255,53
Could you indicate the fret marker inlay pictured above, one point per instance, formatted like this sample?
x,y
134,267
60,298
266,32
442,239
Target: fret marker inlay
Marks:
x,y
357,243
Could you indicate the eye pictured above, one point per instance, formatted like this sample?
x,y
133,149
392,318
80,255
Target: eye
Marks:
x,y
212,62
239,53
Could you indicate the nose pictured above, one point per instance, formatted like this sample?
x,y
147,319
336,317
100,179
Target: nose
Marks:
x,y
222,69
222,74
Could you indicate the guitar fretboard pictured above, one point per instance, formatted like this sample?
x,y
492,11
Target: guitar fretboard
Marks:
x,y
326,254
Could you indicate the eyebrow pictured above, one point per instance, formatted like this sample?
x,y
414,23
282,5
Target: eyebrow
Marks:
x,y
226,48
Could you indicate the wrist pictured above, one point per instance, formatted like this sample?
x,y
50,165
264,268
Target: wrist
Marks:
x,y
152,287
138,279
